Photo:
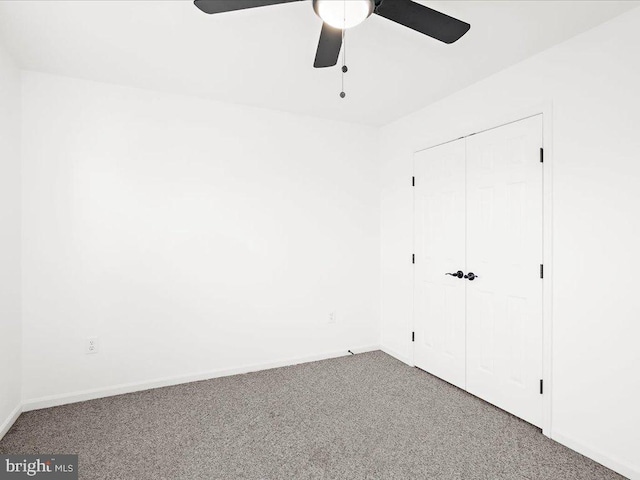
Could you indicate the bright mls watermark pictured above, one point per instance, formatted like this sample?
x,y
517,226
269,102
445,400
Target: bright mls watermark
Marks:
x,y
50,467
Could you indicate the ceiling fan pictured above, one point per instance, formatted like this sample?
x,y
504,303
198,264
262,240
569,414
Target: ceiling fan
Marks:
x,y
339,15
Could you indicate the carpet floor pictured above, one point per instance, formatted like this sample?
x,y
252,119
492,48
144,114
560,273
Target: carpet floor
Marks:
x,y
364,416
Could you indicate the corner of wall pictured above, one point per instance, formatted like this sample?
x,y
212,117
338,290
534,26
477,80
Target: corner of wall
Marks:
x,y
10,243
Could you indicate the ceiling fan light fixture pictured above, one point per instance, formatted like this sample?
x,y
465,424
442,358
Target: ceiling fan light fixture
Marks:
x,y
343,14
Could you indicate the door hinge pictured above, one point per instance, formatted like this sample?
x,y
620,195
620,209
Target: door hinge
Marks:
x,y
541,271
413,258
413,336
541,387
413,181
542,155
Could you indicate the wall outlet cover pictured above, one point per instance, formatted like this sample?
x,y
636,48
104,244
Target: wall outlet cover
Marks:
x,y
91,345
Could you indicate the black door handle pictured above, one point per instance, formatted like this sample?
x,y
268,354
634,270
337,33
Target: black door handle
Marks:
x,y
471,276
458,274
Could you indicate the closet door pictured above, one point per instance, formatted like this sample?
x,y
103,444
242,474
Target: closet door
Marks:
x,y
439,299
504,248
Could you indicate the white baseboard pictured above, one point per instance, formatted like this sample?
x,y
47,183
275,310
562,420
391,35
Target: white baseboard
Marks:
x,y
397,356
616,465
84,395
8,423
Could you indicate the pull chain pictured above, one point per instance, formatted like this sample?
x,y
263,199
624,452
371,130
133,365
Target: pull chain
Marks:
x,y
344,52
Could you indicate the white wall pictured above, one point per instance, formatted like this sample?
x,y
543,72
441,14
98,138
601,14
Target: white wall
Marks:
x,y
593,82
10,334
191,237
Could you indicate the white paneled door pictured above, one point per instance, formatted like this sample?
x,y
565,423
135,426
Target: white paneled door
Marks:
x,y
439,250
504,248
478,209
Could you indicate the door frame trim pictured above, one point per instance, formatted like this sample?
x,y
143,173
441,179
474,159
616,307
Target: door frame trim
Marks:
x,y
546,110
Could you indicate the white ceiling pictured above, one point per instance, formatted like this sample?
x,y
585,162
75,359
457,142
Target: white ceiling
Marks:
x,y
264,57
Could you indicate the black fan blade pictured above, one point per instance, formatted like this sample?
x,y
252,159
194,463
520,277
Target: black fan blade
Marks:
x,y
423,19
221,6
328,47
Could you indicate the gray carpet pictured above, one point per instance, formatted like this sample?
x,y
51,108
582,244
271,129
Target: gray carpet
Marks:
x,y
365,416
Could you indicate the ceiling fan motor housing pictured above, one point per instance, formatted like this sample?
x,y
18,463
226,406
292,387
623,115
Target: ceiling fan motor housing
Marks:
x,y
344,14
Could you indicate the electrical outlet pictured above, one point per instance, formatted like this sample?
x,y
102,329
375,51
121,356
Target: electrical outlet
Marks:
x,y
91,345
332,317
